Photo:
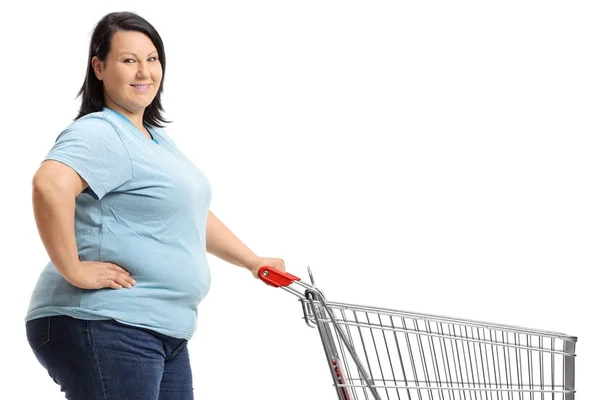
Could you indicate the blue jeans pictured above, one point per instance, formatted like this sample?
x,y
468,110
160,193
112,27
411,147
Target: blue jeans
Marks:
x,y
106,360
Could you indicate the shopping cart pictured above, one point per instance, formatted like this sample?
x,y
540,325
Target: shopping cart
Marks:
x,y
376,353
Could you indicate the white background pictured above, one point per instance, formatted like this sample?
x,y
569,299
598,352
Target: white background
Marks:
x,y
436,157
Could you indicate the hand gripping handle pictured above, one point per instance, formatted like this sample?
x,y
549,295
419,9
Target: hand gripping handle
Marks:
x,y
274,277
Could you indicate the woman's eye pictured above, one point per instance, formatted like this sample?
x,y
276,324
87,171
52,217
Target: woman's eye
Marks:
x,y
128,60
152,59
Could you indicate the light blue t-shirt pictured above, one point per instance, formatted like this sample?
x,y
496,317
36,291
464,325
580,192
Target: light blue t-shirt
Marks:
x,y
145,210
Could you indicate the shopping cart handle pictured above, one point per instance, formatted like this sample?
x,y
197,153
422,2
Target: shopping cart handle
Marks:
x,y
274,277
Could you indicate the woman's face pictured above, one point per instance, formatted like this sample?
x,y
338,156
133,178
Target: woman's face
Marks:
x,y
131,73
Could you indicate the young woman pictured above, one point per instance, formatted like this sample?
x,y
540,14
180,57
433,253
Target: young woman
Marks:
x,y
124,217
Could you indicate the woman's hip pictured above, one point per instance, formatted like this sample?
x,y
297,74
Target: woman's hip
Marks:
x,y
102,359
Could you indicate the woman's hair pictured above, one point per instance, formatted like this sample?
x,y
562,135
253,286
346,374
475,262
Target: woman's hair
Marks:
x,y
92,91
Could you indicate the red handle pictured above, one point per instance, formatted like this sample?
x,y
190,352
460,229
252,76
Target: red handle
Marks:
x,y
274,277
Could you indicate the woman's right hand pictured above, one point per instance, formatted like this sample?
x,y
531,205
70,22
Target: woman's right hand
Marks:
x,y
99,275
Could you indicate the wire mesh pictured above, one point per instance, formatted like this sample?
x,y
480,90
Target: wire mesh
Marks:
x,y
386,354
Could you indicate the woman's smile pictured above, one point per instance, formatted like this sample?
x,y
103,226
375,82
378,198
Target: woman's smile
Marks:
x,y
141,88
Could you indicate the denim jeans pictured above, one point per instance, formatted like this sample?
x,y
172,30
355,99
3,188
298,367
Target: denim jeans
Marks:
x,y
107,360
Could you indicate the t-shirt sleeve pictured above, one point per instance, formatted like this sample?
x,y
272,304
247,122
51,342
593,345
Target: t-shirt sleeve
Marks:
x,y
95,151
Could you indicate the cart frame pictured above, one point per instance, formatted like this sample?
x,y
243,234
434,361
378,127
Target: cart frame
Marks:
x,y
375,353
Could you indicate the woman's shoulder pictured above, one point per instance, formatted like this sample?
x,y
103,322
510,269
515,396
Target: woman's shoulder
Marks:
x,y
97,120
95,124
93,128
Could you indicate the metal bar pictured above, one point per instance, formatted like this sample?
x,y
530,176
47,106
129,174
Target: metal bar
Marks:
x,y
412,359
439,388
401,359
456,356
326,333
530,365
343,353
569,370
470,361
366,325
552,367
377,355
464,359
434,359
445,360
362,341
352,344
439,318
388,354
536,387
494,358
542,378
483,367
352,352
423,361
519,366
327,346
510,375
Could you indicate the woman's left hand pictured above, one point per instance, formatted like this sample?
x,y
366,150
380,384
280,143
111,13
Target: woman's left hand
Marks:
x,y
276,263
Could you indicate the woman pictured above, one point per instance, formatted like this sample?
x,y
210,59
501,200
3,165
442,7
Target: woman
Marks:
x,y
124,217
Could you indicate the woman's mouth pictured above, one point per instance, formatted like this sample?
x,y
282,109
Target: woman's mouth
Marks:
x,y
142,88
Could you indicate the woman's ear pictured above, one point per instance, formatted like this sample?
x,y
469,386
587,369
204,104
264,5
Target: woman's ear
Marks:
x,y
98,67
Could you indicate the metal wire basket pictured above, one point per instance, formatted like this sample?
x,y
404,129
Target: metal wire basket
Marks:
x,y
378,353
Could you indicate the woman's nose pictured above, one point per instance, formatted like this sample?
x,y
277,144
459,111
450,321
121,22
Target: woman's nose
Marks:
x,y
142,71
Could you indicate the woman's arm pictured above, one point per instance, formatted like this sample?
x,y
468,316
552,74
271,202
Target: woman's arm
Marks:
x,y
222,243
55,187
